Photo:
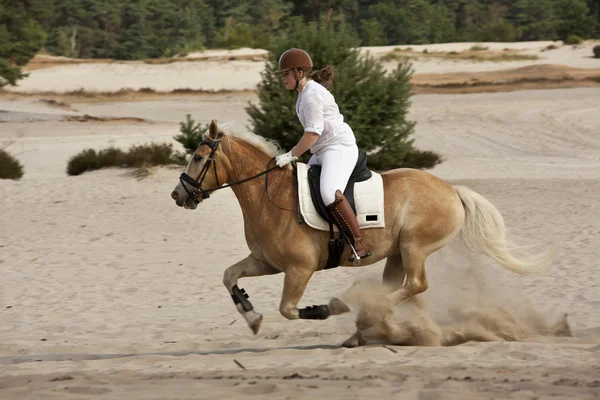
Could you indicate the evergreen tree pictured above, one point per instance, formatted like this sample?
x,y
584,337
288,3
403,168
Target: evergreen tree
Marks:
x,y
594,6
136,31
413,21
573,19
535,18
21,37
494,26
374,104
250,23
372,33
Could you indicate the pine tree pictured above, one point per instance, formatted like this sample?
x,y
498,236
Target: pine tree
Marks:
x,y
535,18
21,37
573,19
374,104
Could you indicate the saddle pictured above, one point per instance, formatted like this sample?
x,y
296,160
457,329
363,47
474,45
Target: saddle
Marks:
x,y
360,173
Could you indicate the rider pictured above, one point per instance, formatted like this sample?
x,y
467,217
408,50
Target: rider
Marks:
x,y
330,139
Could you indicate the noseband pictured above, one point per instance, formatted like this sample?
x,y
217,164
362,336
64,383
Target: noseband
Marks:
x,y
198,192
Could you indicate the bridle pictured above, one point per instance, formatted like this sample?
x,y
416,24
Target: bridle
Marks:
x,y
184,178
196,184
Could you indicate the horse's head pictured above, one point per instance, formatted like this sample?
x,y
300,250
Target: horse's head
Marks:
x,y
202,174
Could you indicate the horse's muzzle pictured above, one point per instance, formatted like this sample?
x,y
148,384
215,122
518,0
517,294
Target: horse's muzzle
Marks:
x,y
191,204
188,202
178,200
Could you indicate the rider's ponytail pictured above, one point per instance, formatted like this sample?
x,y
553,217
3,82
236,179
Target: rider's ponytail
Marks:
x,y
324,76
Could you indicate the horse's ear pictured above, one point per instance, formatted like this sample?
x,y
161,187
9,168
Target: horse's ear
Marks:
x,y
213,130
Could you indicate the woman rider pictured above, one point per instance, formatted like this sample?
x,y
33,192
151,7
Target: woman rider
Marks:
x,y
330,139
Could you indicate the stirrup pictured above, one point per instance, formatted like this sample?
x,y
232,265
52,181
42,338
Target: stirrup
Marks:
x,y
355,260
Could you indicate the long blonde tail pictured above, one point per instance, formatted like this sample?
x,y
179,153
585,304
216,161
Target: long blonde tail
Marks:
x,y
484,232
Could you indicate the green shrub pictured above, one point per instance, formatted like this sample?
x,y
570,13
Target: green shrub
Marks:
x,y
478,47
138,156
10,167
149,155
87,160
574,39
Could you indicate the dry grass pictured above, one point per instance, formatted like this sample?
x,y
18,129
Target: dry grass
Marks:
x,y
475,54
501,87
550,47
158,61
478,47
88,97
56,104
525,78
90,118
42,61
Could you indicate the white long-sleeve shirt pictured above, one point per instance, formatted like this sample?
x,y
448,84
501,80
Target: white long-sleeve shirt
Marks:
x,y
318,112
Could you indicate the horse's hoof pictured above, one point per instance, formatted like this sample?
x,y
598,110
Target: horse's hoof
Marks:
x,y
255,323
355,340
337,307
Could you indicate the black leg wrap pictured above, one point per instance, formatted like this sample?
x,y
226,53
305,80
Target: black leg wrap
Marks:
x,y
314,312
240,296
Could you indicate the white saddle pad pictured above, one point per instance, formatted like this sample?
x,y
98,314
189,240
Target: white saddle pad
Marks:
x,y
368,201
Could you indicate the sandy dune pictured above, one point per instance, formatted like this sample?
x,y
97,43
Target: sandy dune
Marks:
x,y
215,71
111,291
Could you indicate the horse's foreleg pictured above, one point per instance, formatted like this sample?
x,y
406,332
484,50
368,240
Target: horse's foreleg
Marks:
x,y
247,267
294,284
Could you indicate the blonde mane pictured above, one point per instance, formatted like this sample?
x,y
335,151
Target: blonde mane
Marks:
x,y
269,147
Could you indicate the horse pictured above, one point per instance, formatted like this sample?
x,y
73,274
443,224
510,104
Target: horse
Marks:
x,y
423,213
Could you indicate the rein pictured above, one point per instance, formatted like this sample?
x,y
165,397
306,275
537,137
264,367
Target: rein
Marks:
x,y
204,193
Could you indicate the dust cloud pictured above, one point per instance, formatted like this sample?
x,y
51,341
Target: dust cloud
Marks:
x,y
467,300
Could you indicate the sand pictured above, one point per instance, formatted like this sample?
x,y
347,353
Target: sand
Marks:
x,y
214,71
111,291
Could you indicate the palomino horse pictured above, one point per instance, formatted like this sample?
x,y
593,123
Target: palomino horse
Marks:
x,y
422,214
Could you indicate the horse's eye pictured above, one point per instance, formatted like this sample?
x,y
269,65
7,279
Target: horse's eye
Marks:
x,y
197,158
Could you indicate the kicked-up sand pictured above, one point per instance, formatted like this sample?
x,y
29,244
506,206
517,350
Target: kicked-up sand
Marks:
x,y
110,291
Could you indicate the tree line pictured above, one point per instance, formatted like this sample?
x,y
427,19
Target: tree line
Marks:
x,y
137,29
140,29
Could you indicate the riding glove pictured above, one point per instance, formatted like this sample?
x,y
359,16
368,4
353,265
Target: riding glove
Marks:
x,y
285,159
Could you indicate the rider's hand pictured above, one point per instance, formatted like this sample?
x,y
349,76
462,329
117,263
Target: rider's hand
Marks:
x,y
285,159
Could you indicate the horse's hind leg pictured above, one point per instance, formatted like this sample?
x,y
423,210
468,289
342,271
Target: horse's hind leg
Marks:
x,y
393,277
413,261
393,273
248,267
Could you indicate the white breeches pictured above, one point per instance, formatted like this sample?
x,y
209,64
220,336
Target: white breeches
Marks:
x,y
337,162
